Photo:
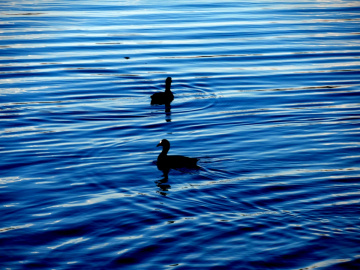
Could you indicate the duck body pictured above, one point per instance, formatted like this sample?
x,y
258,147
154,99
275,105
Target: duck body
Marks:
x,y
166,97
173,161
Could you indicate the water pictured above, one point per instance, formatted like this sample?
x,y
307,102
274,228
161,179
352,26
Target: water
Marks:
x,y
266,95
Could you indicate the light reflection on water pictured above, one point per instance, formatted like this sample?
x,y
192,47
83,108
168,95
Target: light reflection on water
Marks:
x,y
266,95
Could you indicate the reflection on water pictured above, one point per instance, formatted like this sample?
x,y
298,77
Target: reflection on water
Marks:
x,y
163,185
168,113
266,96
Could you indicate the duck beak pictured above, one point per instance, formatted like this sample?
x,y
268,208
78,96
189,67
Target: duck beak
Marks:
x,y
159,144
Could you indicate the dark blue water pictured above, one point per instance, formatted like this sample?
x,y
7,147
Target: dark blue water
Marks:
x,y
267,96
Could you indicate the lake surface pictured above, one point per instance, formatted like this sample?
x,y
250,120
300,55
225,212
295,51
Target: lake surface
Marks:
x,y
267,96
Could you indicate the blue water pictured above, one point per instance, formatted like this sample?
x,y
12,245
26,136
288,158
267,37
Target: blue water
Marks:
x,y
267,96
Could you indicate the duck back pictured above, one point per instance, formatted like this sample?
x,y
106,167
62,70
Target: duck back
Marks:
x,y
177,162
162,98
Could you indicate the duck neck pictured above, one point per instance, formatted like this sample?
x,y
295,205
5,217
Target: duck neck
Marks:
x,y
167,87
164,152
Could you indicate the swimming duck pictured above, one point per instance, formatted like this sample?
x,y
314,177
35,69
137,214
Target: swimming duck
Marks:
x,y
163,97
164,161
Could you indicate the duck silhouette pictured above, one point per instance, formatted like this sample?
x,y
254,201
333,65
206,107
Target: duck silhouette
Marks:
x,y
165,162
166,97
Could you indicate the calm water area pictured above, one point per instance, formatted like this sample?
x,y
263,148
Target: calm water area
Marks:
x,y
267,97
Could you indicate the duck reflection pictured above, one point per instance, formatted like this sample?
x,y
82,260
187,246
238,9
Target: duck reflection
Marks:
x,y
163,186
168,113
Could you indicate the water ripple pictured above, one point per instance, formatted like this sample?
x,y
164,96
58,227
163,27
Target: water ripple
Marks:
x,y
266,96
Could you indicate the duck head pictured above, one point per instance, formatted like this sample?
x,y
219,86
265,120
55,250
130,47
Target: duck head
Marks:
x,y
164,143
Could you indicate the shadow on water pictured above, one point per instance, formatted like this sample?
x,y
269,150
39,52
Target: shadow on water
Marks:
x,y
163,184
168,113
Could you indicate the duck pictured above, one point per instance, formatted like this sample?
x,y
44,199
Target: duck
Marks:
x,y
166,97
165,162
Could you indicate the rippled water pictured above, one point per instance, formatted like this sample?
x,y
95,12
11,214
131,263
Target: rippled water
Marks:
x,y
266,95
